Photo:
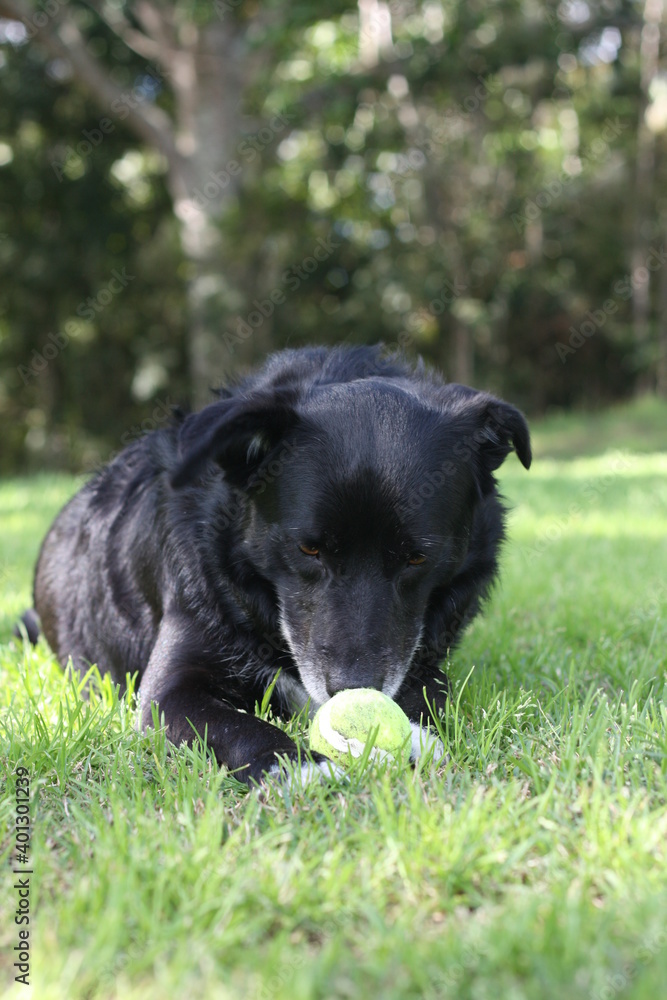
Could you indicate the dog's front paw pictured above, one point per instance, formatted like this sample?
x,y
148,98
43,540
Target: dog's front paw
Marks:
x,y
426,742
299,773
316,770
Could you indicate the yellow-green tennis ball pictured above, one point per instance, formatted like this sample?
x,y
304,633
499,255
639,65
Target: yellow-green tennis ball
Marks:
x,y
342,725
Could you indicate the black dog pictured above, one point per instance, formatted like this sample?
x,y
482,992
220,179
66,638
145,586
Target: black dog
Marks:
x,y
334,517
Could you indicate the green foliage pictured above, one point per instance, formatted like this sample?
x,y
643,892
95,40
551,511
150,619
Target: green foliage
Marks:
x,y
529,865
478,189
471,194
91,308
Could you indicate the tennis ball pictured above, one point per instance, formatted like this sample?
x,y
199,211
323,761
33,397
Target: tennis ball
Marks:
x,y
342,725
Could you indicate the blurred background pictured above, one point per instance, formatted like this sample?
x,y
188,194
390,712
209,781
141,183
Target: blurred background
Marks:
x,y
185,186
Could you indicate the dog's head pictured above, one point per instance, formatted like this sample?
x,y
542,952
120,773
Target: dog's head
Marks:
x,y
362,499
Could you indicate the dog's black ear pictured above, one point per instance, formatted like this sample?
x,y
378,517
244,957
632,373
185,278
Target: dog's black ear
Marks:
x,y
238,433
490,430
502,429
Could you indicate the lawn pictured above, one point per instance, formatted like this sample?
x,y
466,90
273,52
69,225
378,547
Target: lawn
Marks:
x,y
531,865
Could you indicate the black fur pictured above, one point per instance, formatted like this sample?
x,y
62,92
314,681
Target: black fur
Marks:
x,y
181,560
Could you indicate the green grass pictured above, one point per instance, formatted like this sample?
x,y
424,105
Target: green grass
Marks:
x,y
637,426
531,866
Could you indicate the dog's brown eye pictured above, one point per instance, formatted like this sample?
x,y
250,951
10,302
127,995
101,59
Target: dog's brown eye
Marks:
x,y
417,559
309,550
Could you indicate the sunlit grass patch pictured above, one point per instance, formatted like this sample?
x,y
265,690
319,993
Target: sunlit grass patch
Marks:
x,y
530,864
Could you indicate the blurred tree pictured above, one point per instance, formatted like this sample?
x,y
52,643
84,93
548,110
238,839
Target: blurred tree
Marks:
x,y
206,60
478,177
481,183
89,329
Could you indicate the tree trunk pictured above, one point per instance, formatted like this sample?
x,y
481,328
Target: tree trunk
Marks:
x,y
208,83
661,362
208,67
649,52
